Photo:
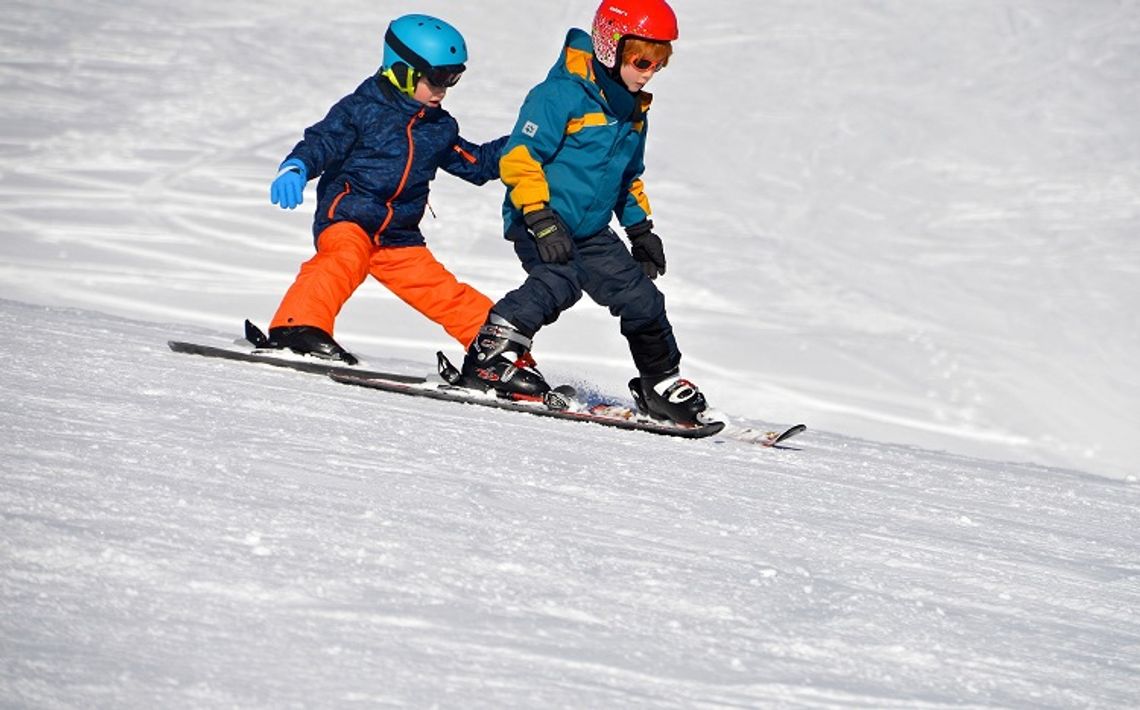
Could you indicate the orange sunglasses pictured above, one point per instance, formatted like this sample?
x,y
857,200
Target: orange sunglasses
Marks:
x,y
644,64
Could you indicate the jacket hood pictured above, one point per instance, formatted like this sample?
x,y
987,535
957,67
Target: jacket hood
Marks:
x,y
576,62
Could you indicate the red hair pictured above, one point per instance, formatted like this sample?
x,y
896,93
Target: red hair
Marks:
x,y
633,48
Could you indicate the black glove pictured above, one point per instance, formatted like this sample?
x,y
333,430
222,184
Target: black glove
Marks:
x,y
550,234
647,249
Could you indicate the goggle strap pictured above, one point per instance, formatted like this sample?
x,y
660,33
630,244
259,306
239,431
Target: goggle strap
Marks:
x,y
417,62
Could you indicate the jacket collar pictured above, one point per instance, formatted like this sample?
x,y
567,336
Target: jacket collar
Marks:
x,y
577,61
380,89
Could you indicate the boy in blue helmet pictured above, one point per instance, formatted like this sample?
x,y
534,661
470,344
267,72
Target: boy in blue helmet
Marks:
x,y
573,162
375,153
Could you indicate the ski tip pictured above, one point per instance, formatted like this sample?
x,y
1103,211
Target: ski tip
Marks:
x,y
776,437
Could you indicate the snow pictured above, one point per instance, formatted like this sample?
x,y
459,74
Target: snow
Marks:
x,y
911,226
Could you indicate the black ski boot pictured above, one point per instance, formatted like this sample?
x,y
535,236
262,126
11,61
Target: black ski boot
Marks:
x,y
308,340
500,359
668,397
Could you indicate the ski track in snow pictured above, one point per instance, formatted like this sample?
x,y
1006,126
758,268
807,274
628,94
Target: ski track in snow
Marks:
x,y
915,226
179,531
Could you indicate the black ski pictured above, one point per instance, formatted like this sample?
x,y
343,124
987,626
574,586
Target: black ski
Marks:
x,y
611,415
558,403
272,357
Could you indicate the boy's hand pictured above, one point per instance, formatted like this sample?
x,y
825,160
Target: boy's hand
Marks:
x,y
288,188
647,248
554,244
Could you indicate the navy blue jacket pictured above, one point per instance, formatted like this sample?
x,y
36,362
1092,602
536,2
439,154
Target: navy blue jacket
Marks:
x,y
376,151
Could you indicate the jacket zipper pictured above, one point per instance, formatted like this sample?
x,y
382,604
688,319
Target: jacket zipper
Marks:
x,y
336,200
609,159
403,178
465,155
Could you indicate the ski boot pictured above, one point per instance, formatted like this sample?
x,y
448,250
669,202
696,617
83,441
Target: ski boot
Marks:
x,y
500,359
668,397
308,340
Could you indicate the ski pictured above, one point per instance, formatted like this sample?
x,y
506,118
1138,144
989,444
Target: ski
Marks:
x,y
279,358
770,439
558,404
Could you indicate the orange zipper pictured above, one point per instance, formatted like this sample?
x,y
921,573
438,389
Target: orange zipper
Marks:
x,y
403,178
466,156
336,200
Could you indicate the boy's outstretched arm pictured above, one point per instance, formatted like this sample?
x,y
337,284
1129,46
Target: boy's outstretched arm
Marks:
x,y
474,163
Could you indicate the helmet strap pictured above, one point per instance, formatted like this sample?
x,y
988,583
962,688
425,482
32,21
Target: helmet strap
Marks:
x,y
402,77
619,50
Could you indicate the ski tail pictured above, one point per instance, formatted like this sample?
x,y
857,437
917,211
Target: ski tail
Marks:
x,y
254,335
448,373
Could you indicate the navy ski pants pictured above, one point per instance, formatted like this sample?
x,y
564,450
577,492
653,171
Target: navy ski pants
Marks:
x,y
602,267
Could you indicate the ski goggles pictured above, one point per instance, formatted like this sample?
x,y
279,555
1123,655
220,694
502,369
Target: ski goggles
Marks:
x,y
645,64
444,77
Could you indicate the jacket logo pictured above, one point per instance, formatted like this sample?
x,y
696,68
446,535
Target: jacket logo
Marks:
x,y
530,128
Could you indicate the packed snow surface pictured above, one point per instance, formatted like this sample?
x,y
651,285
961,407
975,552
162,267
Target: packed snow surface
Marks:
x,y
910,225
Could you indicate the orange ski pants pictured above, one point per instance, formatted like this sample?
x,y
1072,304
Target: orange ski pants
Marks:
x,y
346,256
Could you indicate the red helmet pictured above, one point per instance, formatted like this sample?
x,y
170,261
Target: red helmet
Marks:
x,y
617,19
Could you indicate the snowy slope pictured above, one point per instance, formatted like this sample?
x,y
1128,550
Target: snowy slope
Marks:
x,y
909,222
911,225
180,532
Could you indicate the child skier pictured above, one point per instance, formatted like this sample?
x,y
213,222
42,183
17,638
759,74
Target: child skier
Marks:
x,y
375,152
574,159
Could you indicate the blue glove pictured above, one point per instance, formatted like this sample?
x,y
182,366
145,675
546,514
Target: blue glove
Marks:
x,y
288,188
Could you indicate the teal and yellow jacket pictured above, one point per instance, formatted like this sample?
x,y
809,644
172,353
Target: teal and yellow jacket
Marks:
x,y
579,145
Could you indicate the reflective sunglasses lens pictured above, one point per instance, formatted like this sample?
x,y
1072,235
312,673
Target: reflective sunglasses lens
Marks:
x,y
444,77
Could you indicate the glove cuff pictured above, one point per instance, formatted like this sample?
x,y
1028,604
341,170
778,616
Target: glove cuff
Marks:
x,y
636,230
293,165
539,216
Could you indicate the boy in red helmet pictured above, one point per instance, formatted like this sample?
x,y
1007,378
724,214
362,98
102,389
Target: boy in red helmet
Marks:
x,y
574,161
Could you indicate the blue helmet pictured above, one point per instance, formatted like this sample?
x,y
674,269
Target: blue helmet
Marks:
x,y
423,42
